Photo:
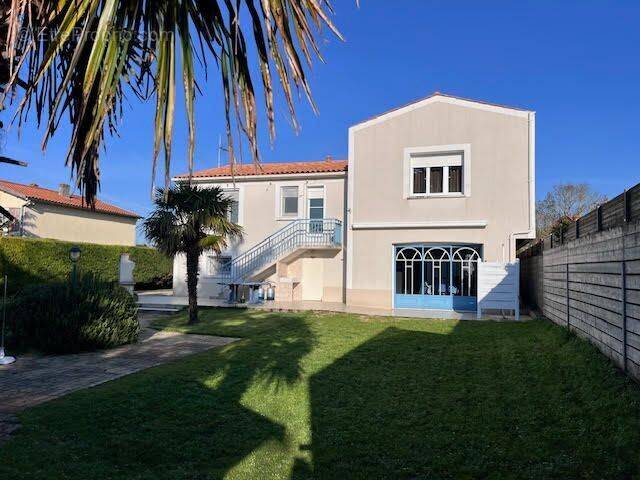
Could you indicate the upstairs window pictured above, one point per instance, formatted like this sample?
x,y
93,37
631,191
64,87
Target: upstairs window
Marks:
x,y
455,179
289,202
234,211
436,174
420,180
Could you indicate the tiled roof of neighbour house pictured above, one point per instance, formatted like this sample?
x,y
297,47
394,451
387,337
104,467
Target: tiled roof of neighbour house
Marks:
x,y
285,168
40,194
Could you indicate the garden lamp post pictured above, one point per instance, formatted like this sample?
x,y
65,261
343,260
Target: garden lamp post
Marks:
x,y
74,255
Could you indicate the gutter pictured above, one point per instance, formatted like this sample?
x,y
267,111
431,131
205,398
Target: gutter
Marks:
x,y
257,178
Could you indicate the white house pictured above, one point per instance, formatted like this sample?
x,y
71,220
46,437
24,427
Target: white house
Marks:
x,y
40,212
428,190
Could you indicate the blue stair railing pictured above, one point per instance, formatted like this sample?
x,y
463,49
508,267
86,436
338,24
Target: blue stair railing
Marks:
x,y
304,233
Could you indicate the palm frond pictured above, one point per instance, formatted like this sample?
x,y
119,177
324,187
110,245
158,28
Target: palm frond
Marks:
x,y
187,217
79,58
216,243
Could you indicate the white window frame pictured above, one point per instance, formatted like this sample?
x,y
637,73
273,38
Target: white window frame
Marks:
x,y
324,200
229,192
307,201
280,204
228,188
437,156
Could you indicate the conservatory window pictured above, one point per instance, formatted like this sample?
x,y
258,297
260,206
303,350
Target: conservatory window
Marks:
x,y
408,271
437,271
446,270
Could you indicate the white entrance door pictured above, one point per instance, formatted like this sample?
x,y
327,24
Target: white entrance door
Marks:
x,y
312,273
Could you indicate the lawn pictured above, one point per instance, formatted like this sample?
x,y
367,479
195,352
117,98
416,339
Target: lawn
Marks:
x,y
337,396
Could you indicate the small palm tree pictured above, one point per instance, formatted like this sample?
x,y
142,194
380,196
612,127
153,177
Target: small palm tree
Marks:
x,y
190,220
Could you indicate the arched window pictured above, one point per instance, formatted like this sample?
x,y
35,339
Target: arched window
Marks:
x,y
408,271
465,267
437,273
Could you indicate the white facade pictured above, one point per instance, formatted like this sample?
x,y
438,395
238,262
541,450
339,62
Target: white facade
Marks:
x,y
261,213
440,175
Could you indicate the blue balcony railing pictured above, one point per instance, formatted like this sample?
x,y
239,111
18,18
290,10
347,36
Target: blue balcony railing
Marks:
x,y
305,233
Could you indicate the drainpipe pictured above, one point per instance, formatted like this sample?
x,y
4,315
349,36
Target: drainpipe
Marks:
x,y
512,238
531,184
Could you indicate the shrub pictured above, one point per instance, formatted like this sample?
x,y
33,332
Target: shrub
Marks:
x,y
36,261
57,318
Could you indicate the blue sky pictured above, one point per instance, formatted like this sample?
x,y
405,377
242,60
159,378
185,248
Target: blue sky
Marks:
x,y
575,63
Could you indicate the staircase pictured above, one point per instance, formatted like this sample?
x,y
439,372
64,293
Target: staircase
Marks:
x,y
304,233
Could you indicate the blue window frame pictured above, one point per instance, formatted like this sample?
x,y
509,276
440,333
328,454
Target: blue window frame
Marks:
x,y
437,277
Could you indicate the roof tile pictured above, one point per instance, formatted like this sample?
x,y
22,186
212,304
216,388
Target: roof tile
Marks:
x,y
286,168
37,193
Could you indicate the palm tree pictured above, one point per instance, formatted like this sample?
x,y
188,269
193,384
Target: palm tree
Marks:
x,y
190,220
81,58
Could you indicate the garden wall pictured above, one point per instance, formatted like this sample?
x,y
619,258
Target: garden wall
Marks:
x,y
591,285
31,261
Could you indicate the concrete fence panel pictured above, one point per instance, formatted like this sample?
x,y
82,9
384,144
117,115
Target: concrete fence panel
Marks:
x,y
591,285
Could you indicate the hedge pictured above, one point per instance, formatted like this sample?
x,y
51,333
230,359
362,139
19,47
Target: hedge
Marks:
x,y
35,261
58,318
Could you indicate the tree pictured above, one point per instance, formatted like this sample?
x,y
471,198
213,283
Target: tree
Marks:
x,y
190,220
564,204
80,59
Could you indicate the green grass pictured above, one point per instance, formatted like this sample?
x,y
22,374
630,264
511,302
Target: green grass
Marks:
x,y
336,396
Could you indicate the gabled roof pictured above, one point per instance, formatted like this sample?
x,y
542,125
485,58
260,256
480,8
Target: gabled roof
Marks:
x,y
39,194
285,168
445,98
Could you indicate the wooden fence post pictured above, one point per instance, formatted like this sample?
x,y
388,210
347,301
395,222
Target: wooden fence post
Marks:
x,y
623,273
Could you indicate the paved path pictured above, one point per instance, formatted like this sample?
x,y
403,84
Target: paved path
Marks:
x,y
33,380
166,299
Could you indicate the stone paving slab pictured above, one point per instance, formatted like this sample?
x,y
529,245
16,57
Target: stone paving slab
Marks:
x,y
36,379
167,300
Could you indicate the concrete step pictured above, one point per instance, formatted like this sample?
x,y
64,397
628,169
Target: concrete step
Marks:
x,y
154,307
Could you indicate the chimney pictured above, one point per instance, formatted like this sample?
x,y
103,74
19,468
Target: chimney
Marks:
x,y
328,158
64,189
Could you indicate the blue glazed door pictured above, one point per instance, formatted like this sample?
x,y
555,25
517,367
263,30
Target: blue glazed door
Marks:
x,y
436,277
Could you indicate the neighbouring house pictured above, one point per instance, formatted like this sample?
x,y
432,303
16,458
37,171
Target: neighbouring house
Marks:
x,y
428,191
57,214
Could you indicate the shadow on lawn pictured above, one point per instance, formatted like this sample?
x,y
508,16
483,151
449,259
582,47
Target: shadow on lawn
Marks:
x,y
224,431
471,404
485,400
184,420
